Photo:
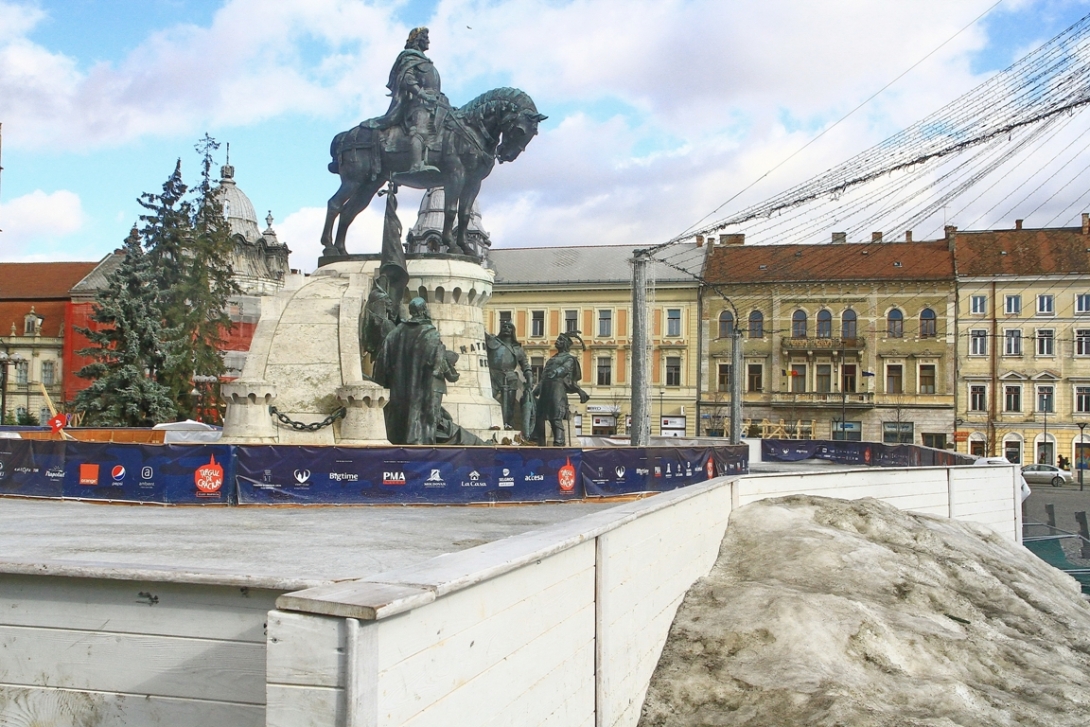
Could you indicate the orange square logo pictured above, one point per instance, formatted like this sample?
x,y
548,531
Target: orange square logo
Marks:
x,y
88,474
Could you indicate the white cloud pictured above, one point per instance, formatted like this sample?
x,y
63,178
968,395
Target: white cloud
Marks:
x,y
35,221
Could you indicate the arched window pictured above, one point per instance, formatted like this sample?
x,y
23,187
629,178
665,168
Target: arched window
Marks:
x,y
896,324
726,324
756,324
798,324
824,324
927,323
848,327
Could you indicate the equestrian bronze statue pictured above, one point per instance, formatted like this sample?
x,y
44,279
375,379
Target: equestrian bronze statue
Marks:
x,y
422,142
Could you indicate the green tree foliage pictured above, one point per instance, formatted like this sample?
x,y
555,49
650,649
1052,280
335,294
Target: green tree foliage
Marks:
x,y
126,347
194,260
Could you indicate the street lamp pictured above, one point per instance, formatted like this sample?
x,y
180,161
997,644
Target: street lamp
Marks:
x,y
1080,460
662,394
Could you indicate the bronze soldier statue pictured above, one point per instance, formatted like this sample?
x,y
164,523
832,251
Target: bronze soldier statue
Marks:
x,y
505,358
559,378
417,100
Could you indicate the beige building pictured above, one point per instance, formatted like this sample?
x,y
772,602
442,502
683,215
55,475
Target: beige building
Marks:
x,y
589,289
1024,342
840,341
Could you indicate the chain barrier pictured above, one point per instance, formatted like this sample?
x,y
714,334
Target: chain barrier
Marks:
x,y
313,426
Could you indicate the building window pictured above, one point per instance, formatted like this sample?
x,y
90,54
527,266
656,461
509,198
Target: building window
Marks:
x,y
724,377
1045,341
1013,305
798,324
673,322
726,324
848,328
934,441
605,323
505,316
1082,399
824,324
756,324
824,380
537,323
1012,450
978,398
1012,343
22,372
897,432
847,378
605,370
1082,304
978,305
48,373
927,323
927,379
895,323
673,371
1082,342
1045,399
798,378
537,364
894,379
978,342
1012,398
755,378
43,415
571,321
1046,305
847,431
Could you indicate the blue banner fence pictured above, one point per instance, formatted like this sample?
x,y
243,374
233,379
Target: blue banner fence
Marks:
x,y
861,453
212,474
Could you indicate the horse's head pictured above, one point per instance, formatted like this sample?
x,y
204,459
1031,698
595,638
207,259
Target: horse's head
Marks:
x,y
518,128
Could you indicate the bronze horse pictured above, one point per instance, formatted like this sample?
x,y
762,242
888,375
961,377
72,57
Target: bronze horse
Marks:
x,y
498,124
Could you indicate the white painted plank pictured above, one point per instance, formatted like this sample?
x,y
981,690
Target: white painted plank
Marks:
x,y
24,707
305,650
472,701
421,629
293,706
230,671
566,691
167,609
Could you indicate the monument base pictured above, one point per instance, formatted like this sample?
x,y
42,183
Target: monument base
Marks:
x,y
305,359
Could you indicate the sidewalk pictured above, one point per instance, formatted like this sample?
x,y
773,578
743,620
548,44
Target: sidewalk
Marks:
x,y
1066,501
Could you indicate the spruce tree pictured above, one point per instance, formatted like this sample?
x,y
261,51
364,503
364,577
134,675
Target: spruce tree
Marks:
x,y
126,349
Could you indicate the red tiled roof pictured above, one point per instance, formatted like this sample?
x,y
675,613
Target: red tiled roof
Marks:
x,y
40,281
1054,251
842,261
15,311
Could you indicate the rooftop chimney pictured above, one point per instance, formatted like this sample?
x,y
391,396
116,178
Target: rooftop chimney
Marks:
x,y
1086,223
908,235
840,237
735,238
1018,224
876,237
951,234
700,241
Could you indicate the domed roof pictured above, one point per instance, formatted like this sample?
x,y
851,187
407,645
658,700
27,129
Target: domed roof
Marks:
x,y
237,207
430,217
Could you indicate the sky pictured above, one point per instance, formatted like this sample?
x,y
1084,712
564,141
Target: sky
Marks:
x,y
659,111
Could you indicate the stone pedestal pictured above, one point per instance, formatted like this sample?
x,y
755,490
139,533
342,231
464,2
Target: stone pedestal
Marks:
x,y
306,355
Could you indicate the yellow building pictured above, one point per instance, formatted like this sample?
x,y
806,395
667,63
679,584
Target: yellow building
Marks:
x,y
1024,342
840,341
548,290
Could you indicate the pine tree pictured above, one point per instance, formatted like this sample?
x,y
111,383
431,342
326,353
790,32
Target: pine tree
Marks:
x,y
194,257
127,348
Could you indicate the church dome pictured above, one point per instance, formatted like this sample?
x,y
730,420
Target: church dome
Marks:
x,y
426,234
237,207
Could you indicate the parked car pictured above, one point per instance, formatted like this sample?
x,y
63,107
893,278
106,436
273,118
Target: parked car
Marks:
x,y
1004,461
1046,474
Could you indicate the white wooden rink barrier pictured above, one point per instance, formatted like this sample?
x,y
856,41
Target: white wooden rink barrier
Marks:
x,y
559,626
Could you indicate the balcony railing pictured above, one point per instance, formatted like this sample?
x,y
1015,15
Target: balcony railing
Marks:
x,y
852,400
823,344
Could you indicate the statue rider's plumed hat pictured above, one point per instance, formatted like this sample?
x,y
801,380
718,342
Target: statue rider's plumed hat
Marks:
x,y
571,337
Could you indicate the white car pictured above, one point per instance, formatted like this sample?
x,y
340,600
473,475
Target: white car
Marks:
x,y
1004,461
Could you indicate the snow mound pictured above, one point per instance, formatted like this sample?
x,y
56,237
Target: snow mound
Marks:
x,y
825,612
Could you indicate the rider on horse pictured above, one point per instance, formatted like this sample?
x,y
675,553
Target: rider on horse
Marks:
x,y
416,98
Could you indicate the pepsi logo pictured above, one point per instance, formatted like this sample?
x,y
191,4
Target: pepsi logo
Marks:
x,y
117,473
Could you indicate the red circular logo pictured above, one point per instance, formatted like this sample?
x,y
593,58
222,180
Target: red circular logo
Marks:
x,y
209,477
566,477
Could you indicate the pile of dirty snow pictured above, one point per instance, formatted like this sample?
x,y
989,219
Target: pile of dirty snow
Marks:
x,y
824,612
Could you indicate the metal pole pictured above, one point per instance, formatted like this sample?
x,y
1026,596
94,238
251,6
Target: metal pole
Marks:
x,y
1080,461
736,384
640,434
